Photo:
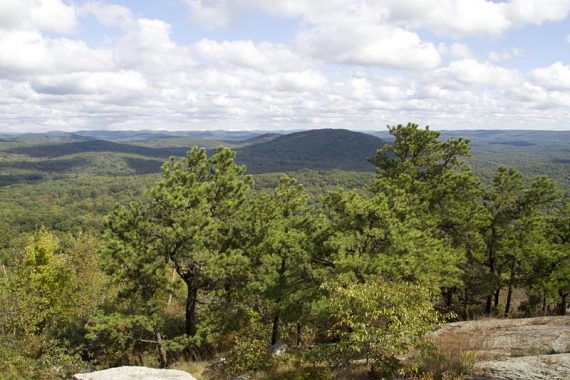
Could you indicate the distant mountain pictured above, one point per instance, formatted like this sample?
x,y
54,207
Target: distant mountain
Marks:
x,y
512,143
159,134
262,138
64,149
316,149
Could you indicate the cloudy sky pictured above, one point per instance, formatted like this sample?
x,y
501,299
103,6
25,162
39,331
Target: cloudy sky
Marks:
x,y
284,64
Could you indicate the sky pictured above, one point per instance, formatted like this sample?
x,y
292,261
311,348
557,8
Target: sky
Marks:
x,y
283,64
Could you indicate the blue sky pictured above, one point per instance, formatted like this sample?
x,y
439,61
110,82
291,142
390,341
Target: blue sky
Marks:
x,y
284,64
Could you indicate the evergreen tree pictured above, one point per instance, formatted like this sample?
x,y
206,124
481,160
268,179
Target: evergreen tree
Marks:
x,y
284,276
189,224
513,209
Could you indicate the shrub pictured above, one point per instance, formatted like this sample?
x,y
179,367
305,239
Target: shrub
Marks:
x,y
250,355
449,356
376,321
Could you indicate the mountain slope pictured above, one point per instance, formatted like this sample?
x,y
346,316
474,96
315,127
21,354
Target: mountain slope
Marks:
x,y
315,149
60,150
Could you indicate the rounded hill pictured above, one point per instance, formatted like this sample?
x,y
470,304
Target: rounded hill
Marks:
x,y
315,149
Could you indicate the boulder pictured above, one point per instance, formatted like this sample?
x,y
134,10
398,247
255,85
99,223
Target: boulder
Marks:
x,y
242,377
135,373
279,348
540,367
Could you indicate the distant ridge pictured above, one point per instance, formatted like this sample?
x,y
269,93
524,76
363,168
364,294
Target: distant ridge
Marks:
x,y
64,149
315,149
263,138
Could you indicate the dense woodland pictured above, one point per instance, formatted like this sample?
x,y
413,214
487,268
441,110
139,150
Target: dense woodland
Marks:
x,y
203,260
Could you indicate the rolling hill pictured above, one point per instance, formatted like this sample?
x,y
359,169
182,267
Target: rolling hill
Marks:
x,y
64,149
319,149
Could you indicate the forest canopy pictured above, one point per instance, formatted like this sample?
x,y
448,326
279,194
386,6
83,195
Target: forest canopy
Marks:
x,y
205,262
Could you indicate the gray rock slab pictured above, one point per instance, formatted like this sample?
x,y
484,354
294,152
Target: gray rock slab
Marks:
x,y
541,367
135,373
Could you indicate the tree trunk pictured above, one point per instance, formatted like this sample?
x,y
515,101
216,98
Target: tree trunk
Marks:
x,y
299,339
465,303
497,296
491,258
373,373
510,291
563,304
488,305
275,331
448,296
160,348
191,299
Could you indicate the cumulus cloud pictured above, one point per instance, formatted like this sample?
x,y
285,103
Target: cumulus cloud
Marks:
x,y
554,77
447,17
263,56
470,72
90,83
50,15
148,47
362,44
110,15
25,52
497,56
459,50
352,64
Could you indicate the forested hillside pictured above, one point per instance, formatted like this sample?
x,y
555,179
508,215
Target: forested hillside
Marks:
x,y
104,264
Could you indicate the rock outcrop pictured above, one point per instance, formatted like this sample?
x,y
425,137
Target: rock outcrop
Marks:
x,y
541,367
513,349
135,373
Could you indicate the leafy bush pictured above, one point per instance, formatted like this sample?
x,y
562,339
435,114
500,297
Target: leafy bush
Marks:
x,y
35,357
250,355
449,356
376,321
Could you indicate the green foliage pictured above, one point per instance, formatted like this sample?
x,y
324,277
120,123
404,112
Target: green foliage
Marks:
x,y
284,276
113,339
189,224
376,321
514,231
35,357
303,374
250,355
366,237
52,284
205,262
322,149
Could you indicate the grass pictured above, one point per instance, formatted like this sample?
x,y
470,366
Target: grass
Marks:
x,y
450,356
197,369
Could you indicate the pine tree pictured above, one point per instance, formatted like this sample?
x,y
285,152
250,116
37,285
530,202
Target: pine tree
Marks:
x,y
189,224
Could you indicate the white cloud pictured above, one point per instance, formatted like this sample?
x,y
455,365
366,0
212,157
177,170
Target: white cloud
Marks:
x,y
356,64
90,83
460,50
451,17
537,12
358,43
473,73
29,52
308,80
110,15
505,55
211,14
553,77
147,47
446,17
51,15
263,56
